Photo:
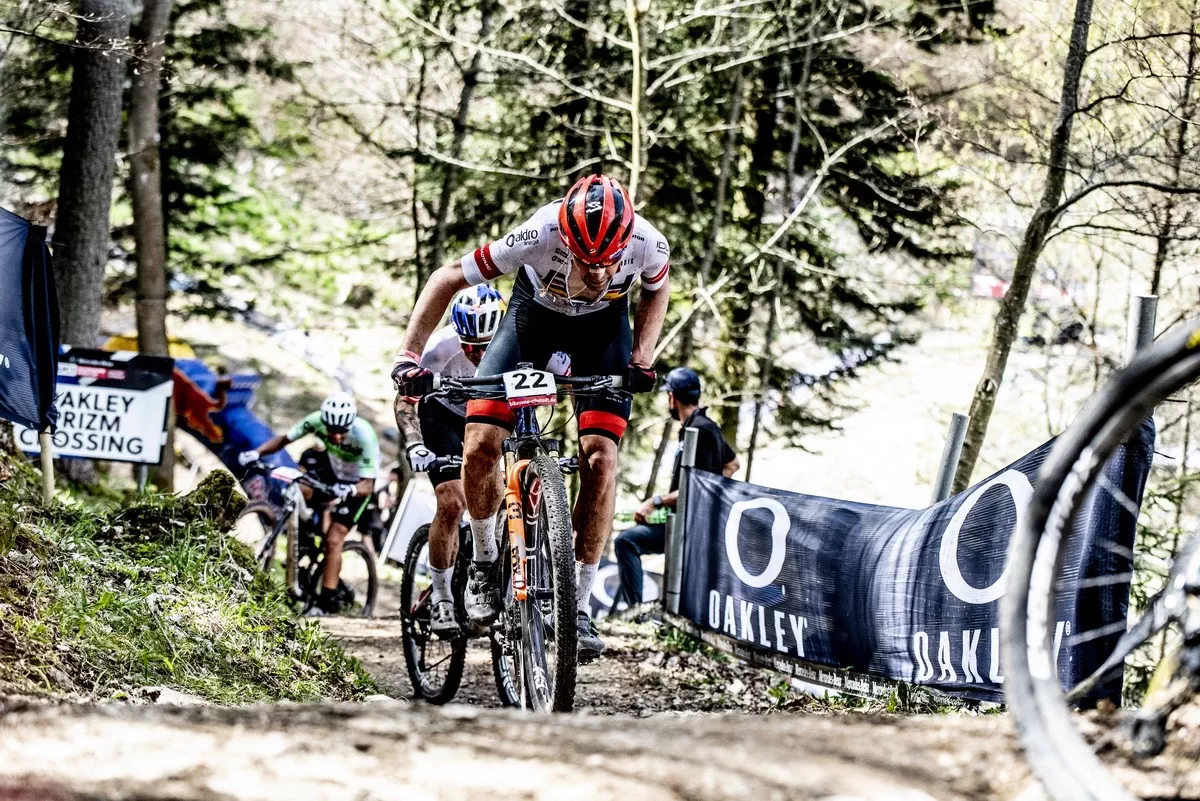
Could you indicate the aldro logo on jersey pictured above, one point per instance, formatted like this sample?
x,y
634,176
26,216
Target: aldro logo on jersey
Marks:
x,y
524,236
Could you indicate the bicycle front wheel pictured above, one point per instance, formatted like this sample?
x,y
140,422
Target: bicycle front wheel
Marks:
x,y
506,667
358,583
435,666
549,646
257,523
1075,470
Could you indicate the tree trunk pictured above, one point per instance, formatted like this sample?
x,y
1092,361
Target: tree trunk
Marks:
x,y
766,363
735,375
1013,302
636,11
419,276
145,181
450,171
732,129
89,160
1166,225
577,56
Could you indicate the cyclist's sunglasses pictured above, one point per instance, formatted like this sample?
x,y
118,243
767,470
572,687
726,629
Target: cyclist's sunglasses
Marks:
x,y
337,430
616,257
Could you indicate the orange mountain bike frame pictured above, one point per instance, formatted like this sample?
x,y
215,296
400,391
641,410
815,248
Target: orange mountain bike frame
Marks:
x,y
516,528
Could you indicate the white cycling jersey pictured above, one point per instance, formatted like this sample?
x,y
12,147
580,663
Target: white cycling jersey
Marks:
x,y
537,246
444,355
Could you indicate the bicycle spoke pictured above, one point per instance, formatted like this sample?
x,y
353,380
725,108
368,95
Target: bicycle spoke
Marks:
x,y
1150,623
1118,495
1095,634
1105,581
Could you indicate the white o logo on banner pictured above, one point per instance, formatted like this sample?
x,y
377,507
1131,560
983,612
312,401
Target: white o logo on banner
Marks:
x,y
1021,491
780,525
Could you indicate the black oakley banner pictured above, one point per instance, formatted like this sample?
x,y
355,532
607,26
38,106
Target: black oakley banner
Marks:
x,y
29,325
903,594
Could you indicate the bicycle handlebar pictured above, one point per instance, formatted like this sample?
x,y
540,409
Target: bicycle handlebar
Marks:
x,y
495,383
568,464
264,469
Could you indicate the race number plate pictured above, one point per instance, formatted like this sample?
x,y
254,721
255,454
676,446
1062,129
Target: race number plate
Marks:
x,y
530,388
286,474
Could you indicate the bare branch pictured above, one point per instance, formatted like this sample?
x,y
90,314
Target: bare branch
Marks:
x,y
1167,189
520,58
818,177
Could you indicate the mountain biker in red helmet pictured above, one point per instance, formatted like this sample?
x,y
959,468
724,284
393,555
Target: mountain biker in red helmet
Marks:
x,y
576,260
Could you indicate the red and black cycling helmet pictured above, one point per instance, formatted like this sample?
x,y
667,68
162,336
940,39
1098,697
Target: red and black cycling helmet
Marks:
x,y
595,219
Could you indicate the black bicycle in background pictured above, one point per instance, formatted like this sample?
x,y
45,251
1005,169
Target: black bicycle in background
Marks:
x,y
284,512
1052,731
534,639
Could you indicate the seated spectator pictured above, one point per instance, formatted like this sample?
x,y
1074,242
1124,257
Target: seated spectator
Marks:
x,y
713,454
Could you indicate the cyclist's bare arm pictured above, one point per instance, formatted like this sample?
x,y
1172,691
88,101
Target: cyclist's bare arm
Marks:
x,y
273,445
432,304
648,322
406,420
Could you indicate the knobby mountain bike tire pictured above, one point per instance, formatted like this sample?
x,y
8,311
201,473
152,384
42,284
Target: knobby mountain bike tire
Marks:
x,y
506,670
1055,748
549,683
435,666
363,578
265,514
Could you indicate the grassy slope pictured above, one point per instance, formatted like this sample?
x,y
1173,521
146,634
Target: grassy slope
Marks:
x,y
100,597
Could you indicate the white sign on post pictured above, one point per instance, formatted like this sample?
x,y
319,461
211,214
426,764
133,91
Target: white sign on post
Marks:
x,y
111,407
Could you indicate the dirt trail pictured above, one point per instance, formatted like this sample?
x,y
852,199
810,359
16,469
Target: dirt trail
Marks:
x,y
652,724
399,751
635,677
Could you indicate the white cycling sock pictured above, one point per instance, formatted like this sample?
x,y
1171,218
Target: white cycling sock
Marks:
x,y
585,577
441,583
483,533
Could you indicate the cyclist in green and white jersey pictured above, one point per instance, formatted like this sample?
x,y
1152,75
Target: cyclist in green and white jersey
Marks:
x,y
350,466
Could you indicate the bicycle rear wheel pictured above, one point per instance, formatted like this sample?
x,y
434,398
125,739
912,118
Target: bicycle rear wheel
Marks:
x,y
1056,749
549,640
435,666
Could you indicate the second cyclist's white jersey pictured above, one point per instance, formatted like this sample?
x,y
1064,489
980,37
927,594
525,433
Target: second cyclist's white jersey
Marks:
x,y
444,355
537,247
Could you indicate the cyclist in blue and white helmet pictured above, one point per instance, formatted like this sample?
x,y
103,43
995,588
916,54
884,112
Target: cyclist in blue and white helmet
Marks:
x,y
476,316
436,428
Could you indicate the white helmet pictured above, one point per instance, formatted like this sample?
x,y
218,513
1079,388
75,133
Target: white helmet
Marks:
x,y
476,314
338,410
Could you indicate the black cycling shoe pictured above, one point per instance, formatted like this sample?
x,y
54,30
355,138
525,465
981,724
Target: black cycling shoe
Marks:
x,y
344,595
483,595
590,644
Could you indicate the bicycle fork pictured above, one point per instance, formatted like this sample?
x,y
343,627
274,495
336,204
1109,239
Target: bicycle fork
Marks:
x,y
516,525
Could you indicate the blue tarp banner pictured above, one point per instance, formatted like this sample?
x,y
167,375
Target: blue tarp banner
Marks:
x,y
28,324
904,594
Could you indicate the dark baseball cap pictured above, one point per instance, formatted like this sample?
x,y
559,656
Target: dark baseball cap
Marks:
x,y
684,383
